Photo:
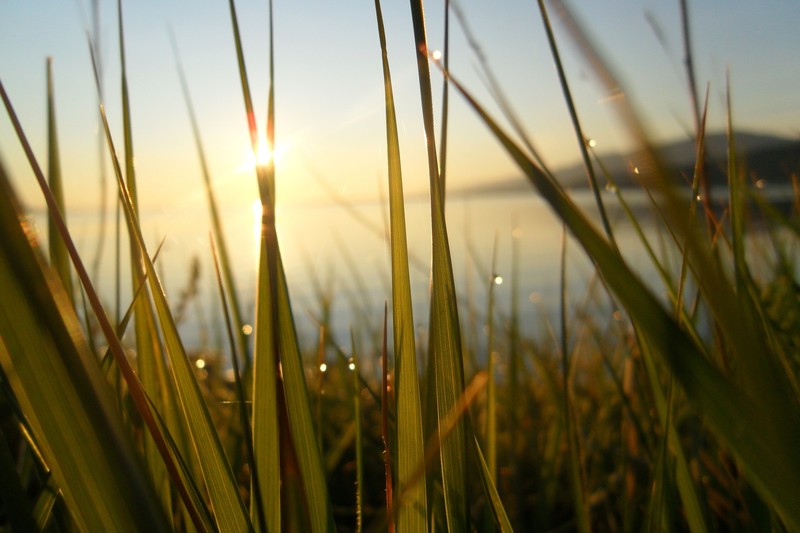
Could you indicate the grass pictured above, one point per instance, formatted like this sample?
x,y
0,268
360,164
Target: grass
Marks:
x,y
676,413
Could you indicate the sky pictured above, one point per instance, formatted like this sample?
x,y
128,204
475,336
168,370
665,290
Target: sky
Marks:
x,y
329,91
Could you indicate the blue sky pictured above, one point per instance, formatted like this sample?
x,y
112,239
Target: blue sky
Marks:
x,y
330,117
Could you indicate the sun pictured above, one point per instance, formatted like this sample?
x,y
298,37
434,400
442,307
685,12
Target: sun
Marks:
x,y
263,155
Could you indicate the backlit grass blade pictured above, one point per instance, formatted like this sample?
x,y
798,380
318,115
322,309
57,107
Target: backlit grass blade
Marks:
x,y
150,360
274,307
491,364
266,429
496,504
230,513
445,337
387,446
413,514
62,392
576,124
59,258
241,399
762,438
360,488
137,394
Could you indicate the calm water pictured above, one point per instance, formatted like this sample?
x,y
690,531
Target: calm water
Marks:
x,y
344,254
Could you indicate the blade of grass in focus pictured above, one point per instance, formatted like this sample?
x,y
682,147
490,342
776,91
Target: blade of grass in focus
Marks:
x,y
491,363
230,513
445,337
412,515
496,504
279,335
150,360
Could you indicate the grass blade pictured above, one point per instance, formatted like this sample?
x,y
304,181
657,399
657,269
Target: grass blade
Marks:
x,y
59,258
281,337
413,514
445,337
62,391
223,491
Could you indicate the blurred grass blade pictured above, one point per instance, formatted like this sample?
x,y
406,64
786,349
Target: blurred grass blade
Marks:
x,y
445,337
762,438
65,398
59,258
413,514
496,504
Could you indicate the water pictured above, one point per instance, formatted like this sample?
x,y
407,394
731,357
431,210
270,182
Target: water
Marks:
x,y
330,251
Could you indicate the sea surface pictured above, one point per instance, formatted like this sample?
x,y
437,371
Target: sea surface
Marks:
x,y
337,260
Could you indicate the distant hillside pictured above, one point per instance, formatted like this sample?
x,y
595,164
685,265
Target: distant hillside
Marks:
x,y
766,157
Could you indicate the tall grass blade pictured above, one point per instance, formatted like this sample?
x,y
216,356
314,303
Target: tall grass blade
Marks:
x,y
135,388
747,420
491,364
387,449
576,124
59,258
230,513
496,504
413,514
274,308
445,337
241,398
359,437
62,392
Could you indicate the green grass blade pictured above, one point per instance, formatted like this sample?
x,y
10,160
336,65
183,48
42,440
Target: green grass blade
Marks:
x,y
762,438
445,337
491,364
230,512
62,392
360,487
413,514
496,504
59,258
241,398
266,430
137,393
280,335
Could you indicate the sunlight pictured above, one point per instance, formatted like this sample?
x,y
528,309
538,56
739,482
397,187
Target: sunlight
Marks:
x,y
264,155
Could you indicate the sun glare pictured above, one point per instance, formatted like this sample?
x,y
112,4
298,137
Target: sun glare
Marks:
x,y
263,155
